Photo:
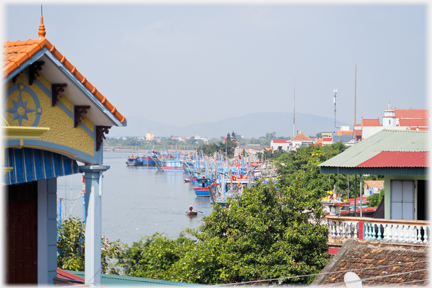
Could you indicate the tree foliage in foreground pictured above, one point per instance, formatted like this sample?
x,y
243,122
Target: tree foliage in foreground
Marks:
x,y
304,163
71,247
375,199
267,233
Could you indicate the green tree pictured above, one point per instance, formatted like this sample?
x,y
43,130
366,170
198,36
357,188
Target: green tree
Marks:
x,y
268,232
153,256
307,159
375,199
71,245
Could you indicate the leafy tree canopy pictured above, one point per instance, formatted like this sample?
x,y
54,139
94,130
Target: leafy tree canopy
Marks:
x,y
71,244
375,199
269,232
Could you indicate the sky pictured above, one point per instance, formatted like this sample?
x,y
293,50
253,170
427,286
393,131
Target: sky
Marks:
x,y
182,64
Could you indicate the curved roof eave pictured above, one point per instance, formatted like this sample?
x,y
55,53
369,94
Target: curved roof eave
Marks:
x,y
36,50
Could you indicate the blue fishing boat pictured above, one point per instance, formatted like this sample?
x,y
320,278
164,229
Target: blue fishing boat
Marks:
x,y
134,161
203,187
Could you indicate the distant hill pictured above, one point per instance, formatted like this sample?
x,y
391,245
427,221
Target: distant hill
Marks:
x,y
250,125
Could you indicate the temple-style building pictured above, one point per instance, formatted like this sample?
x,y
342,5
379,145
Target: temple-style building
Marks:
x,y
53,117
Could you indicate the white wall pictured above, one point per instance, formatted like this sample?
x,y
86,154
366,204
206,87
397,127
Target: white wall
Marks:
x,y
275,146
47,230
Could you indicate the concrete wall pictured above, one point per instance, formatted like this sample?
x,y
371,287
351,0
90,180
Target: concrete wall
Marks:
x,y
47,230
275,146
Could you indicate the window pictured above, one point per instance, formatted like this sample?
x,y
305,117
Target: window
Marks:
x,y
402,199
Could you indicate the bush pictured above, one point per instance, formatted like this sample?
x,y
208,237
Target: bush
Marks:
x,y
375,199
71,247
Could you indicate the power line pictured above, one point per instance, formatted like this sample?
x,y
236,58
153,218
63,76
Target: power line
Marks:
x,y
326,273
414,281
373,278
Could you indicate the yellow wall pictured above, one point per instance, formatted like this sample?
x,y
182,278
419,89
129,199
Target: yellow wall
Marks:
x,y
60,124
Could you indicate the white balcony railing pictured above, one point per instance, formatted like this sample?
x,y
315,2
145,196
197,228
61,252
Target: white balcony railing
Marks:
x,y
387,230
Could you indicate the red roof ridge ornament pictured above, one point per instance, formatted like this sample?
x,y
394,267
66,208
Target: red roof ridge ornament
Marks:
x,y
41,32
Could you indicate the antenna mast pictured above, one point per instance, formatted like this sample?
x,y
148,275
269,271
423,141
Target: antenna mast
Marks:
x,y
355,93
294,114
334,102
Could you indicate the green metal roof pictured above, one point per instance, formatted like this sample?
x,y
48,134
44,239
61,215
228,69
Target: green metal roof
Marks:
x,y
385,140
117,280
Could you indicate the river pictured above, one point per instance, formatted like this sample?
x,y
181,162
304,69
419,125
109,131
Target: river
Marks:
x,y
136,201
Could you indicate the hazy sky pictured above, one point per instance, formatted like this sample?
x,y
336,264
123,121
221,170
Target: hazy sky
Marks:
x,y
184,64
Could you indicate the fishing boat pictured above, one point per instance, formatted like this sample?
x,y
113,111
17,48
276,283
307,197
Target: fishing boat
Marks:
x,y
170,165
192,213
148,158
148,161
202,190
134,161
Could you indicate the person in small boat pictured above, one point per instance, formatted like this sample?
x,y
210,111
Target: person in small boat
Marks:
x,y
190,208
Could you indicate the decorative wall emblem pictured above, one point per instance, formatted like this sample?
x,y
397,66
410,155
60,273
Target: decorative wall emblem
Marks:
x,y
24,107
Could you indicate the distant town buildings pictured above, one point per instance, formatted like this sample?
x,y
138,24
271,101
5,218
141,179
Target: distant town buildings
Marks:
x,y
373,187
292,144
149,136
281,144
205,140
396,119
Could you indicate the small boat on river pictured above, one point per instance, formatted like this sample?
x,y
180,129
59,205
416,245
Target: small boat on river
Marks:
x,y
192,213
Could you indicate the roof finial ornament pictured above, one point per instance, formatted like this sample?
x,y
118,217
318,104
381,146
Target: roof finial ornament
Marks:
x,y
41,27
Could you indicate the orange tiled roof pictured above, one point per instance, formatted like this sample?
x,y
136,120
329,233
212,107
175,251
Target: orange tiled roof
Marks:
x,y
301,137
370,122
345,132
16,53
374,183
413,122
412,113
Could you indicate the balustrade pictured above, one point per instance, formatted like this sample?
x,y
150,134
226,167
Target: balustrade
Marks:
x,y
386,230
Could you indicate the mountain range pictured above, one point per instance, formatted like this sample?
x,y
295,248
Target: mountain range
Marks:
x,y
250,125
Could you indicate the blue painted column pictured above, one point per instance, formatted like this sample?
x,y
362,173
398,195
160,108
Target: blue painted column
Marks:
x,y
93,228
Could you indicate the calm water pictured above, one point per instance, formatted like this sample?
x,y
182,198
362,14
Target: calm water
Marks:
x,y
137,201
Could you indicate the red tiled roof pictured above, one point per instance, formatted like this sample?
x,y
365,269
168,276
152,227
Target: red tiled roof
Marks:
x,y
397,159
280,141
327,139
420,128
413,122
371,122
64,277
358,132
412,113
374,183
301,137
393,264
357,200
18,52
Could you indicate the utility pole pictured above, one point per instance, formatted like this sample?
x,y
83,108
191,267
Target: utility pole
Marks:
x,y
355,94
334,102
294,114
